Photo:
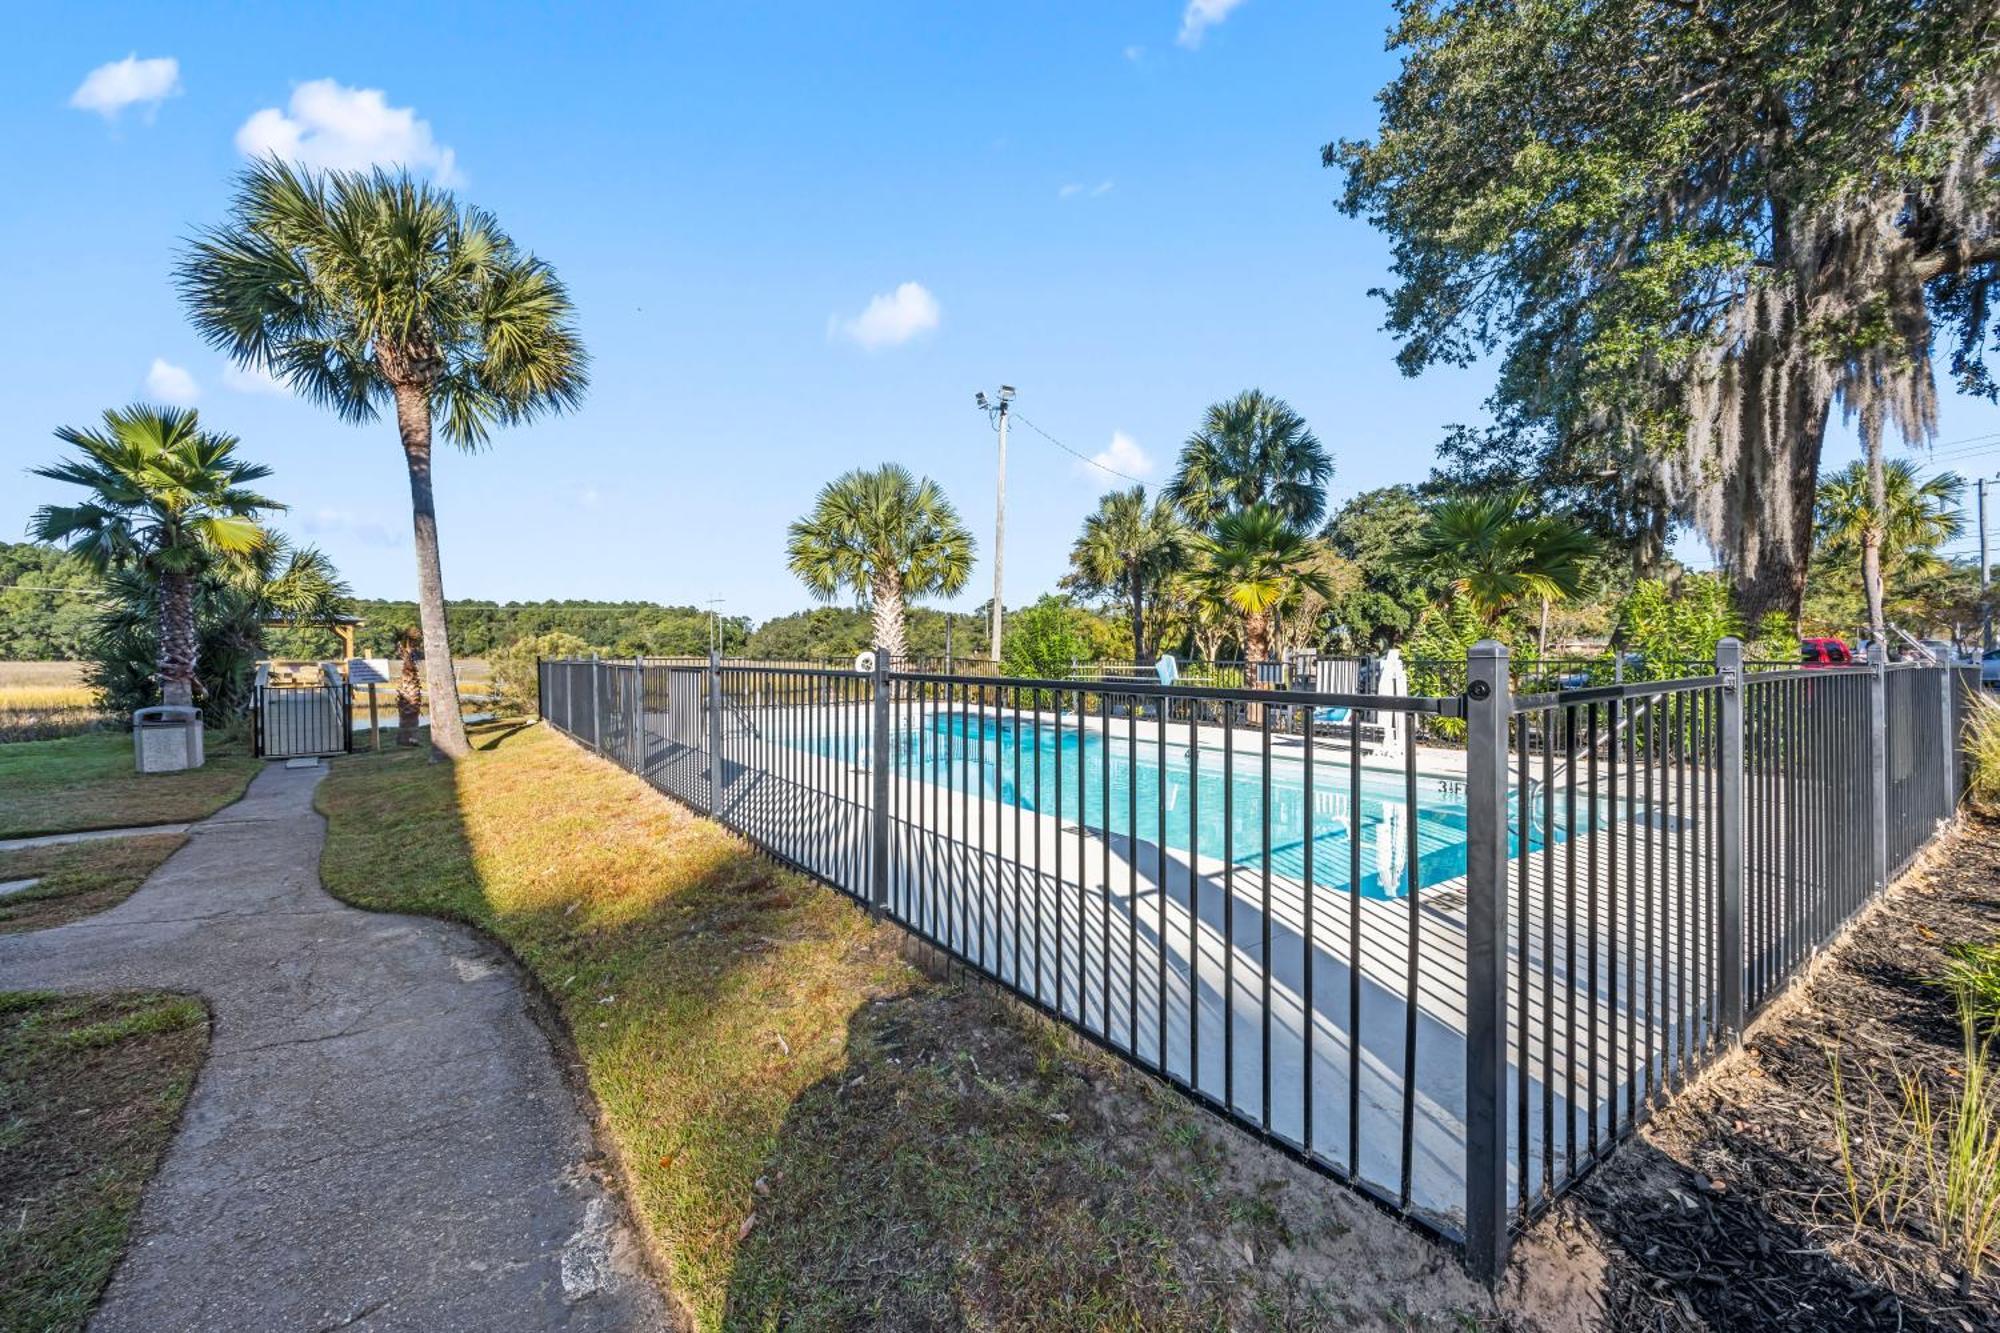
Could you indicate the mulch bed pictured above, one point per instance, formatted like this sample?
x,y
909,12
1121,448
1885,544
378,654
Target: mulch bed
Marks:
x,y
1730,1211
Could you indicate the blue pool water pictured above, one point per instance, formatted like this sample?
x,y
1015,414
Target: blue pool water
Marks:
x,y
1208,802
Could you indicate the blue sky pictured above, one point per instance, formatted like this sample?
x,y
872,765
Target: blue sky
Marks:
x,y
1116,207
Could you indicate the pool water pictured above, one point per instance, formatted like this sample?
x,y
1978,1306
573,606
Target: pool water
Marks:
x,y
1211,803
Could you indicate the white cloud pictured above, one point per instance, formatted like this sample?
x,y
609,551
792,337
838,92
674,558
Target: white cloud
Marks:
x,y
1122,455
111,88
332,126
253,379
1075,188
890,319
171,384
1200,16
1135,53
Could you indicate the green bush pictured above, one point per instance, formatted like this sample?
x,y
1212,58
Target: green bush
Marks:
x,y
514,667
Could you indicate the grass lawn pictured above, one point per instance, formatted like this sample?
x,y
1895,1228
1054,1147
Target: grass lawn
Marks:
x,y
78,879
815,1134
87,782
91,1088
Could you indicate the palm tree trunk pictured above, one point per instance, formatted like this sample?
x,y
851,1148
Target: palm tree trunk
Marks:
x,y
1542,634
409,697
1871,547
177,640
1257,644
413,420
1139,619
887,596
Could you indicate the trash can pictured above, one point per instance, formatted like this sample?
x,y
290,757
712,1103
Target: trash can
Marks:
x,y
167,738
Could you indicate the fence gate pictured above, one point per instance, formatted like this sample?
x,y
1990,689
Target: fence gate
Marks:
x,y
303,718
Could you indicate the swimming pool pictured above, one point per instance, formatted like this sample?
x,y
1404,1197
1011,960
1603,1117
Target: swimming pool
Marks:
x,y
1210,802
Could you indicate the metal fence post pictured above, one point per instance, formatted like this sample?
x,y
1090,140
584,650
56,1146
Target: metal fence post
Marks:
x,y
1878,767
1729,841
636,740
1488,704
715,733
1949,804
879,741
596,712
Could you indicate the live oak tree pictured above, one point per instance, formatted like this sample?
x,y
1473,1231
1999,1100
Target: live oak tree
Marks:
x,y
1691,229
361,290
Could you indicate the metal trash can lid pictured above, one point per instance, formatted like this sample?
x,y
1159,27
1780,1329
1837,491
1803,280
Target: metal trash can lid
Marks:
x,y
165,715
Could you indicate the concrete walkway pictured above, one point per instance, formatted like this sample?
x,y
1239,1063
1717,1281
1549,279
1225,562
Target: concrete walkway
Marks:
x,y
381,1138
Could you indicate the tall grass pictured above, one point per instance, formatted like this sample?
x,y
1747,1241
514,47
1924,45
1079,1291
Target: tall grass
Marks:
x,y
1982,749
1938,1156
43,712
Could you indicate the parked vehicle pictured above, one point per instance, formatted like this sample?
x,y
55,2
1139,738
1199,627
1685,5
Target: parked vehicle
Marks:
x,y
1989,667
1825,653
1943,652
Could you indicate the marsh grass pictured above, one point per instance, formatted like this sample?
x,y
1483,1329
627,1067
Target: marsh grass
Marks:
x,y
33,708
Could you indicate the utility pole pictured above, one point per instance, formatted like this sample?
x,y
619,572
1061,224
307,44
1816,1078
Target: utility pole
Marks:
x,y
1985,594
998,411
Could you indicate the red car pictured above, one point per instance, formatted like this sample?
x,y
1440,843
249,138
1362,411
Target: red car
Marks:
x,y
1824,653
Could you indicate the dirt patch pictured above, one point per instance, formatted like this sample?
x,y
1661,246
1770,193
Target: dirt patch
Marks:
x,y
1731,1210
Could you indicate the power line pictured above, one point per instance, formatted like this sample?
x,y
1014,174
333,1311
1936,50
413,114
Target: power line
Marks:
x,y
43,587
1073,453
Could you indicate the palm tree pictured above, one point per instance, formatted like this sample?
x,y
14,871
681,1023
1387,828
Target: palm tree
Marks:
x,y
1251,450
1128,549
300,586
365,289
1917,518
888,538
409,650
168,502
1498,555
236,604
1255,561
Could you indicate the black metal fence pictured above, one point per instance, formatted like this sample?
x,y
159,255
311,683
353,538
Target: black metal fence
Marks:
x,y
303,715
1453,978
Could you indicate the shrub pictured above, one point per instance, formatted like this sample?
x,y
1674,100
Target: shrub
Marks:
x,y
514,667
